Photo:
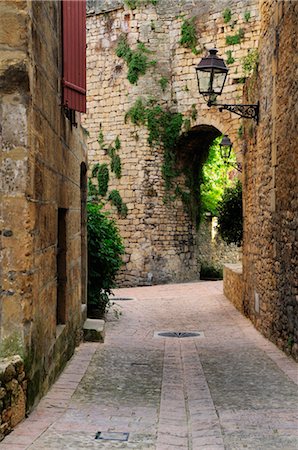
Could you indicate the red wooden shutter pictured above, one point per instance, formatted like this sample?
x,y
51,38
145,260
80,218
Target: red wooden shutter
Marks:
x,y
74,54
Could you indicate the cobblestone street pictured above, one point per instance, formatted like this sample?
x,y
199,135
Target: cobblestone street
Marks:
x,y
228,388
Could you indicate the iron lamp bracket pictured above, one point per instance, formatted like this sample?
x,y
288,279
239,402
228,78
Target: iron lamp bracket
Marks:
x,y
245,111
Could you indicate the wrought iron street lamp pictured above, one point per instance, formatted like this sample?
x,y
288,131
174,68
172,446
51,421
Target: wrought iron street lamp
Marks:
x,y
225,151
212,73
225,147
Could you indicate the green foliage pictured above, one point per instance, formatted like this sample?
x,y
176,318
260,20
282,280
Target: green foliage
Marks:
x,y
105,248
100,138
163,83
240,132
137,113
12,345
103,178
133,4
164,129
117,143
230,215
137,60
116,200
250,62
189,37
247,16
227,15
208,272
194,112
230,59
236,38
215,178
116,165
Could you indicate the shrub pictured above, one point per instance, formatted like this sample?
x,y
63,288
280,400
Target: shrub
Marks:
x,y
105,248
230,215
209,271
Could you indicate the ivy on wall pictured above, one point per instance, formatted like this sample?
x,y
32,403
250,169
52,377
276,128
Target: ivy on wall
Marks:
x,y
98,183
189,38
137,60
164,130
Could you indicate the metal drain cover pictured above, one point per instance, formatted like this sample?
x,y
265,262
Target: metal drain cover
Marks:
x,y
111,436
121,299
179,334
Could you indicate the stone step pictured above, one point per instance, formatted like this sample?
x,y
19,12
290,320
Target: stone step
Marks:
x,y
94,330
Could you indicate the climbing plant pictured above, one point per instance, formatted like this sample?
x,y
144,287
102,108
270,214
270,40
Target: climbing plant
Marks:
x,y
98,183
137,60
164,128
189,38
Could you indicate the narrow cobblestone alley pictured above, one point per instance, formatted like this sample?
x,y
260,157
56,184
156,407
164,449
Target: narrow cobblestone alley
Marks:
x,y
228,388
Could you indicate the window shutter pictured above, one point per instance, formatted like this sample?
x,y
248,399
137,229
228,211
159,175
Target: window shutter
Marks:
x,y
74,54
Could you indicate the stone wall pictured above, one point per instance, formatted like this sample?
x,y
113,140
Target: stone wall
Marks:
x,y
40,175
160,238
212,251
13,387
270,193
233,284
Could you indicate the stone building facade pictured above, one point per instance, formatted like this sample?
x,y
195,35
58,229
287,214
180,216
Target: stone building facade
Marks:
x,y
270,253
43,167
160,237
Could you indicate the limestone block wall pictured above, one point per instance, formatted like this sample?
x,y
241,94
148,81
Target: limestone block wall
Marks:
x,y
13,387
41,154
160,238
212,251
270,194
233,284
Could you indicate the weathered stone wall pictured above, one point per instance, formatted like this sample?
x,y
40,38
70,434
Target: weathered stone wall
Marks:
x,y
233,284
270,193
160,238
40,172
212,250
13,387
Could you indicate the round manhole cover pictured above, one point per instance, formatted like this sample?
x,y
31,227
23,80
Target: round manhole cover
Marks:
x,y
178,334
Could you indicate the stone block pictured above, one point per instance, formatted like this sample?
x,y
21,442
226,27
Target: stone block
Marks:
x,y
94,330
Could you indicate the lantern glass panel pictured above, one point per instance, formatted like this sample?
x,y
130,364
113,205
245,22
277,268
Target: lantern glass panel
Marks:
x,y
204,82
219,79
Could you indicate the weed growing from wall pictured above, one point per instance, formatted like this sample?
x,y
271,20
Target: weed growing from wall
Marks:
x,y
236,38
163,83
250,62
247,16
133,4
137,60
227,15
230,59
189,38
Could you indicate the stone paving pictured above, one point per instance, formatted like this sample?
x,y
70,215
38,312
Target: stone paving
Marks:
x,y
229,388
